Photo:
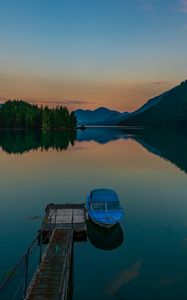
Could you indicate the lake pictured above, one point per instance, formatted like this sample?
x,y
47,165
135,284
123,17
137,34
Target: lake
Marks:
x,y
146,257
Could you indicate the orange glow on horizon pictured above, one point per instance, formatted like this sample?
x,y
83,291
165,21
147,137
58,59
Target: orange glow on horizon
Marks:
x,y
119,95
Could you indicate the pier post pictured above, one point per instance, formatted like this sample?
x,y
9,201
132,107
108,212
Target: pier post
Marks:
x,y
26,271
41,243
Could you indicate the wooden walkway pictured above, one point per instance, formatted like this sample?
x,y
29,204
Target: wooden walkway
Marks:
x,y
62,225
52,277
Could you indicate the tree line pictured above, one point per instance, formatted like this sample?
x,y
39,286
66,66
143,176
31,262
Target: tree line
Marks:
x,y
20,114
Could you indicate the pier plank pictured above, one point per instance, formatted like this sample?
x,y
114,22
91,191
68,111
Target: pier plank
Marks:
x,y
65,215
49,276
66,221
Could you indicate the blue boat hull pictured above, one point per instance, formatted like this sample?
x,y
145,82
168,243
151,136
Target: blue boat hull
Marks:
x,y
106,219
102,224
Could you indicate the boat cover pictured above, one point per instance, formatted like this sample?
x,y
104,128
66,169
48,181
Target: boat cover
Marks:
x,y
104,195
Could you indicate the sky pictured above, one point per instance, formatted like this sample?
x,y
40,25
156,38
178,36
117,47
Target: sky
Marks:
x,y
91,53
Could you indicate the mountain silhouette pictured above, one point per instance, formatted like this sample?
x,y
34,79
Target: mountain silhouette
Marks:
x,y
170,110
99,116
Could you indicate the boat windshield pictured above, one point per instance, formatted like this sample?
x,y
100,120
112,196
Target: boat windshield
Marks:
x,y
99,206
104,206
113,205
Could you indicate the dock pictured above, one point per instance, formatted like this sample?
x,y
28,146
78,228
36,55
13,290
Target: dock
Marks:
x,y
51,279
66,216
62,225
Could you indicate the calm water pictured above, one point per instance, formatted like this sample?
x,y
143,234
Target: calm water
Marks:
x,y
145,258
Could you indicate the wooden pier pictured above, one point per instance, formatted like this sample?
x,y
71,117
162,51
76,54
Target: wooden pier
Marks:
x,y
62,225
65,216
51,279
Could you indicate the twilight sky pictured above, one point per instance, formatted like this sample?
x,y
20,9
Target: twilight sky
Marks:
x,y
90,53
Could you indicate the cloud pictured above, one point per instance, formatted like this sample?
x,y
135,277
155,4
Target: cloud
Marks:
x,y
126,276
50,101
183,6
184,28
147,5
179,6
160,82
156,84
171,280
59,102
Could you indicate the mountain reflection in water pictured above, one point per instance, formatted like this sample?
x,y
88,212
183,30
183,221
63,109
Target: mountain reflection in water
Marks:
x,y
170,145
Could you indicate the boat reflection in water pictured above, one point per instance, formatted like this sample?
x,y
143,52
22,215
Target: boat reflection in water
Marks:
x,y
105,239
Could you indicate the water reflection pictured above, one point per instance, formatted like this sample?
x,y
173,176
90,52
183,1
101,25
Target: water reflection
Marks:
x,y
103,135
105,239
126,276
170,145
152,262
25,140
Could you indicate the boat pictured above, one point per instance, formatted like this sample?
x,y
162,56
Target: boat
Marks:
x,y
103,207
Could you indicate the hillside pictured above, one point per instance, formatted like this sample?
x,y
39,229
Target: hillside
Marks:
x,y
170,110
114,117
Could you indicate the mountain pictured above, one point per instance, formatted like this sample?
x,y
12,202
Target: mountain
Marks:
x,y
114,117
99,116
104,116
151,102
168,109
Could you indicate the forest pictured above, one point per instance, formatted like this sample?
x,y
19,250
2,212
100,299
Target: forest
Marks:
x,y
20,114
